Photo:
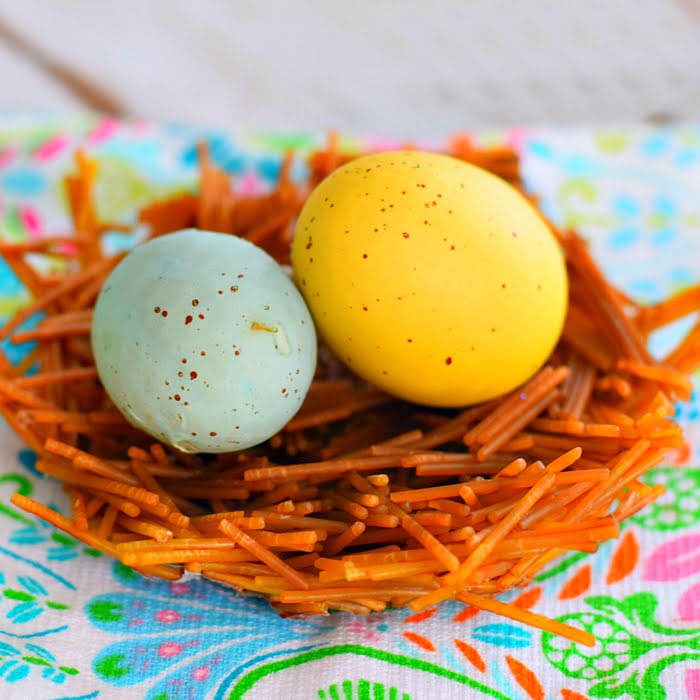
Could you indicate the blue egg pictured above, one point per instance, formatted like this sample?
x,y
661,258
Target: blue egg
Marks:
x,y
203,341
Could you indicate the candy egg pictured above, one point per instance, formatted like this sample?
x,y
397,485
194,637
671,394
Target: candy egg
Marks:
x,y
202,341
432,278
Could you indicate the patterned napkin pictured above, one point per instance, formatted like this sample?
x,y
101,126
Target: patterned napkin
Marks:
x,y
75,624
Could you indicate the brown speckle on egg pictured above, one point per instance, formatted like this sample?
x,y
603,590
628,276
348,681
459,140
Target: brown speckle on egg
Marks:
x,y
448,360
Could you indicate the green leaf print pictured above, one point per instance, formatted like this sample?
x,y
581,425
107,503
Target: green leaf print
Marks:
x,y
639,609
63,539
125,573
13,594
105,611
36,660
679,507
361,690
24,487
69,670
111,668
626,631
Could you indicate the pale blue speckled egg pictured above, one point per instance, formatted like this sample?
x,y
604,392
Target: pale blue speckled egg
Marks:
x,y
203,341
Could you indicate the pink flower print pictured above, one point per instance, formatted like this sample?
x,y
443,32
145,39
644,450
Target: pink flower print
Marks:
x,y
180,588
167,616
104,130
357,627
201,673
68,248
689,605
6,155
692,683
51,148
248,183
674,560
31,221
516,136
365,631
379,144
169,649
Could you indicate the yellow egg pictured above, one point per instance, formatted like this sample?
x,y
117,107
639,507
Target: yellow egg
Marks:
x,y
431,278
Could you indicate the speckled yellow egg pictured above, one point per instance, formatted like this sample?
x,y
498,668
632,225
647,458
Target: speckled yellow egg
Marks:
x,y
429,277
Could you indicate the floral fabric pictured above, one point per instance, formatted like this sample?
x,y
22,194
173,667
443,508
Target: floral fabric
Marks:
x,y
74,624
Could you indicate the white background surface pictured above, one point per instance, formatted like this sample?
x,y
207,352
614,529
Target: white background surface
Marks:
x,y
399,67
